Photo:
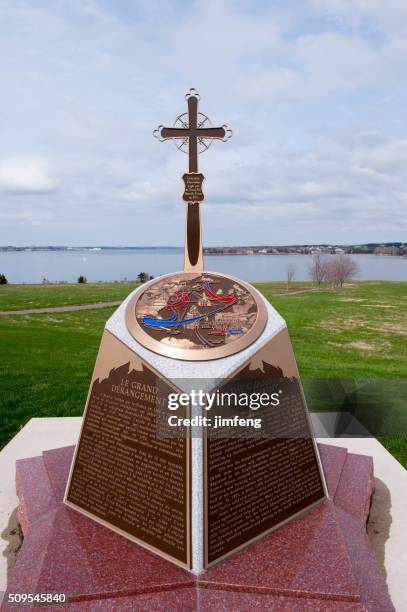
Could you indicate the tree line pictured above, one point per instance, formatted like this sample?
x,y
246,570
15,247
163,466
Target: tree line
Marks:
x,y
334,270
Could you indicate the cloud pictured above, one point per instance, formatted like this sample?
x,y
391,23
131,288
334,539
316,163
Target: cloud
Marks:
x,y
336,189
312,91
389,17
25,175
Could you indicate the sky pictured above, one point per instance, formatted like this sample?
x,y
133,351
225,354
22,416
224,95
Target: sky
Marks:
x,y
315,92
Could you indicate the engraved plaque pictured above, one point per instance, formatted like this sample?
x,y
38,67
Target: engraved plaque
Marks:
x,y
196,316
130,476
255,484
122,474
193,187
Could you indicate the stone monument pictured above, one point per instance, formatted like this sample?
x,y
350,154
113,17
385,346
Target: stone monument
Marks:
x,y
196,496
186,497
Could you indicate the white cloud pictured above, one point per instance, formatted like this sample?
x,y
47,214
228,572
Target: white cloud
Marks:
x,y
25,175
334,185
390,16
312,90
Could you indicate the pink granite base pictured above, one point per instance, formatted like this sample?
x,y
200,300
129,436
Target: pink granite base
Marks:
x,y
320,561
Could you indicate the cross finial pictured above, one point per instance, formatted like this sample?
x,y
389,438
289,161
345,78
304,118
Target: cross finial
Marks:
x,y
193,131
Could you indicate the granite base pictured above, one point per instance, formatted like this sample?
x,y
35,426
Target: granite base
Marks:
x,y
320,561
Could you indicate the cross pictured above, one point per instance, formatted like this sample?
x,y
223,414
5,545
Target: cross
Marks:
x,y
193,134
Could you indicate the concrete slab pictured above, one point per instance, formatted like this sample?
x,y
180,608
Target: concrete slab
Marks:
x,y
36,436
338,425
48,433
391,541
324,555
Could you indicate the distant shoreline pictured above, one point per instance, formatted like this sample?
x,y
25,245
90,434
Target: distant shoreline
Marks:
x,y
118,264
388,248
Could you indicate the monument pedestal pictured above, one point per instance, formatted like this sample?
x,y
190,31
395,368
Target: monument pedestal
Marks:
x,y
321,560
196,497
190,496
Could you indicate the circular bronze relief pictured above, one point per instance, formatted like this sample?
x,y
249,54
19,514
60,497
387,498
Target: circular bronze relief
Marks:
x,y
196,317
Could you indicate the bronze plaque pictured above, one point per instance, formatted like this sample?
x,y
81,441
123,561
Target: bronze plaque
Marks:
x,y
193,187
196,316
123,475
255,484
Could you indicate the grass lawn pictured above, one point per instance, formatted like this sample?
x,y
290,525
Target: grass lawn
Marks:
x,y
23,297
360,332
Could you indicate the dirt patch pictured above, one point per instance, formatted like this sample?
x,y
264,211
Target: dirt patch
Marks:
x,y
395,328
352,300
14,536
379,522
336,344
397,325
34,311
339,325
378,306
360,346
381,346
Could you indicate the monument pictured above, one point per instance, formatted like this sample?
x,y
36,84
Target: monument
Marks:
x,y
172,476
194,498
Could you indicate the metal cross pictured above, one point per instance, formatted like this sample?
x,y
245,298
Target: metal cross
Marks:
x,y
194,134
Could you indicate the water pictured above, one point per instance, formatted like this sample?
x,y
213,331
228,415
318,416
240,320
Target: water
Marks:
x,y
108,265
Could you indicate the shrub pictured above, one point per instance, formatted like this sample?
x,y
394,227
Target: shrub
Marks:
x,y
143,277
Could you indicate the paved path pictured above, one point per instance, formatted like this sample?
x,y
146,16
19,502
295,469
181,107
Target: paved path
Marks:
x,y
310,290
60,308
50,309
298,292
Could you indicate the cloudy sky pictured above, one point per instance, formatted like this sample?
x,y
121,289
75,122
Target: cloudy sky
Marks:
x,y
315,91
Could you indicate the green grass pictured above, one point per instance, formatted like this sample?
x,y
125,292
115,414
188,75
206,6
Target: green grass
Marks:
x,y
23,297
360,332
357,332
47,363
